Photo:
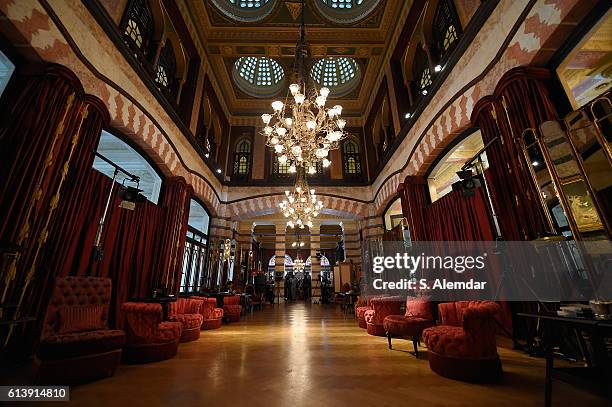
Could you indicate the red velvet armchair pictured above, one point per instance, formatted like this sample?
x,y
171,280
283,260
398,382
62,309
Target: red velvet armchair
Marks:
x,y
361,306
212,316
381,307
232,308
417,317
187,312
149,339
76,345
464,346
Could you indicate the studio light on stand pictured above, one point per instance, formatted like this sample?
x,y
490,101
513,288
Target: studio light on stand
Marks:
x,y
129,196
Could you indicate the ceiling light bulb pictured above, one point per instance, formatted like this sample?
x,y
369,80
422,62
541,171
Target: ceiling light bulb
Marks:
x,y
282,159
298,189
279,148
292,169
326,163
324,92
299,98
334,136
312,170
288,121
321,153
266,118
206,155
424,92
299,158
268,130
309,223
320,101
281,131
341,123
311,124
294,88
287,193
277,105
332,112
274,141
338,109
437,68
218,170
296,150
407,115
535,163
301,244
290,224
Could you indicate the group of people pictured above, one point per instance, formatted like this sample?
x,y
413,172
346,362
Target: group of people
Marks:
x,y
293,285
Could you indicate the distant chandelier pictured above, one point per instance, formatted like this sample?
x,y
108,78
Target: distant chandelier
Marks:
x,y
298,264
302,131
300,205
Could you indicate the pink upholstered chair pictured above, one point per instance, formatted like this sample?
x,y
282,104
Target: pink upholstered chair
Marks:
x,y
232,308
211,314
76,345
381,307
464,346
417,317
187,312
149,339
361,306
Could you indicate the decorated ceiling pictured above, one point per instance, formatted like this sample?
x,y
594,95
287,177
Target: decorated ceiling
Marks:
x,y
348,37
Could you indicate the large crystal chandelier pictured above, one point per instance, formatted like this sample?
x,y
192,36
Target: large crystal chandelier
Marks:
x,y
298,264
303,130
301,204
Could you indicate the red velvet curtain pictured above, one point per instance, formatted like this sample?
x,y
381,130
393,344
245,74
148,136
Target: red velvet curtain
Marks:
x,y
175,200
40,131
413,196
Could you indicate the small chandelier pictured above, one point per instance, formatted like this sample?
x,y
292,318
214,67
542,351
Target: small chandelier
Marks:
x,y
301,204
298,264
303,131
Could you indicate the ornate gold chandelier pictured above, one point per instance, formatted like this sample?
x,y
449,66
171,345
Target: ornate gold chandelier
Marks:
x,y
298,264
301,204
303,130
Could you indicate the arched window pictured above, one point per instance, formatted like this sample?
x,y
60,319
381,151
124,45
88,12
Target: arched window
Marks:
x,y
446,27
129,159
352,159
281,169
194,274
258,76
421,71
6,70
138,26
340,74
165,73
242,159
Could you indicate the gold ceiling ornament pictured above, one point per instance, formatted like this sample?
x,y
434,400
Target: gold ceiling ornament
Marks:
x,y
295,8
303,130
301,204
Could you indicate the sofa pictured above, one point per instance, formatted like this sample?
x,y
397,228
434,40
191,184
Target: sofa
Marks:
x,y
381,307
464,346
212,316
417,316
76,344
149,338
232,308
187,312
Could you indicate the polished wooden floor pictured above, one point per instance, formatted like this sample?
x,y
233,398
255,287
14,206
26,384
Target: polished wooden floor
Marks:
x,y
312,355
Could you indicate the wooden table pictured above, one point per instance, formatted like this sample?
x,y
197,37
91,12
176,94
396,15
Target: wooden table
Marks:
x,y
594,378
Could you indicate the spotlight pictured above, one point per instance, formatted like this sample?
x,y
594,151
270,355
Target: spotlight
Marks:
x,y
218,170
437,68
535,163
467,184
130,196
206,155
424,92
407,115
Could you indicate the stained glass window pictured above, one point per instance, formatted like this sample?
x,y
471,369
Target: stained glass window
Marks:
x,y
248,3
352,159
446,26
166,67
242,157
138,25
347,4
340,73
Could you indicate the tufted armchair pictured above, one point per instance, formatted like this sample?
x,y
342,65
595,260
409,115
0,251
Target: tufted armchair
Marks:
x,y
381,307
361,306
211,314
187,312
149,339
76,345
418,316
232,308
464,346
